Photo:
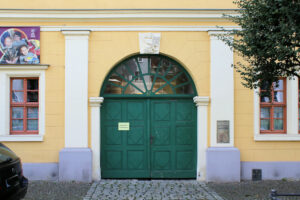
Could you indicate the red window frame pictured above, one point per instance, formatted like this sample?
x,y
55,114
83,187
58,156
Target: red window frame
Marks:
x,y
23,105
273,104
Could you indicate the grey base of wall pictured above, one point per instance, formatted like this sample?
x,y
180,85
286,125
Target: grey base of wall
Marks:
x,y
41,171
271,170
75,164
223,164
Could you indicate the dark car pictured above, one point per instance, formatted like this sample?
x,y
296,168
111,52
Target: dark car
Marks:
x,y
13,185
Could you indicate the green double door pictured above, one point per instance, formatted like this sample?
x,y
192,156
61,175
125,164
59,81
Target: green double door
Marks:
x,y
160,141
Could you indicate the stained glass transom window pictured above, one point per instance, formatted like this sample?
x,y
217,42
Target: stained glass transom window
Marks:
x,y
149,75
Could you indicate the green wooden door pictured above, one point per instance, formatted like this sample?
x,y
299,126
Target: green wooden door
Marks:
x,y
125,154
161,142
173,139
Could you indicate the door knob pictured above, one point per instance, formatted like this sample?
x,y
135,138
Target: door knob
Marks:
x,y
151,139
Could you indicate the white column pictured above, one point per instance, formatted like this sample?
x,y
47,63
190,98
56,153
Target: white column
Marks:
x,y
222,88
201,103
292,103
76,88
95,104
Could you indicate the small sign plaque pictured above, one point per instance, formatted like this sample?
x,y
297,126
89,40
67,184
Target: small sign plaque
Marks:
x,y
123,126
223,131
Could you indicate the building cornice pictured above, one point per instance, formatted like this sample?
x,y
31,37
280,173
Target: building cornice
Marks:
x,y
114,14
138,28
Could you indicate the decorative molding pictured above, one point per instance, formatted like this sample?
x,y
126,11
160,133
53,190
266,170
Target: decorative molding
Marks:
x,y
202,119
76,95
201,101
222,88
96,101
151,28
75,32
21,138
115,14
95,104
149,43
218,32
23,67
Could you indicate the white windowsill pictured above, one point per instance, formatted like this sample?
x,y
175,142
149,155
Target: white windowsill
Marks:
x,y
277,137
24,66
21,138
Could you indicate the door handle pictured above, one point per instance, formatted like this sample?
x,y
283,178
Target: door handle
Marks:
x,y
151,139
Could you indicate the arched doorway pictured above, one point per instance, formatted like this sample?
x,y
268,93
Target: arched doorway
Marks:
x,y
148,120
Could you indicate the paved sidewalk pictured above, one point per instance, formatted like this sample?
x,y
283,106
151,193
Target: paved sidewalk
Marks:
x,y
154,189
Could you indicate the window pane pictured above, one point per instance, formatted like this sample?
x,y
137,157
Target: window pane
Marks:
x,y
158,83
278,112
278,96
148,80
264,99
279,86
165,66
264,124
32,112
17,125
265,113
17,84
143,62
33,84
17,112
17,96
32,124
133,90
165,90
154,63
32,97
278,124
111,89
186,89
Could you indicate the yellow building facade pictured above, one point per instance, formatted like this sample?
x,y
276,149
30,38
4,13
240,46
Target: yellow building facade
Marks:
x,y
83,44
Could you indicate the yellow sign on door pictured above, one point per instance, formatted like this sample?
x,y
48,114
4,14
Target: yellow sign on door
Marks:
x,y
123,126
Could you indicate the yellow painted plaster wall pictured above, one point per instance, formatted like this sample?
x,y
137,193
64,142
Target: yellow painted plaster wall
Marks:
x,y
117,4
191,49
244,131
52,52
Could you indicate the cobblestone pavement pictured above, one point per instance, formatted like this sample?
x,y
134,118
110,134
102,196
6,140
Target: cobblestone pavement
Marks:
x,y
154,189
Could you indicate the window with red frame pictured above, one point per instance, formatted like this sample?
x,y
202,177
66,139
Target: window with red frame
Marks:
x,y
273,109
24,105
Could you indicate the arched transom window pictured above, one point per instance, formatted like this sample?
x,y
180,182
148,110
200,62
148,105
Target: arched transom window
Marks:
x,y
148,76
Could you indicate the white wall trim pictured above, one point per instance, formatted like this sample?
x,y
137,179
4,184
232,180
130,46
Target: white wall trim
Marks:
x,y
115,15
76,88
22,138
23,67
222,87
292,115
277,137
95,104
139,28
5,75
202,104
75,32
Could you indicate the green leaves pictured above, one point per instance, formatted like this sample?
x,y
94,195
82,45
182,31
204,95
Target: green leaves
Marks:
x,y
269,40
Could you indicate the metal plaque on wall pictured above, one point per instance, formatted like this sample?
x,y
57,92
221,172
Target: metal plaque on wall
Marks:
x,y
223,131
